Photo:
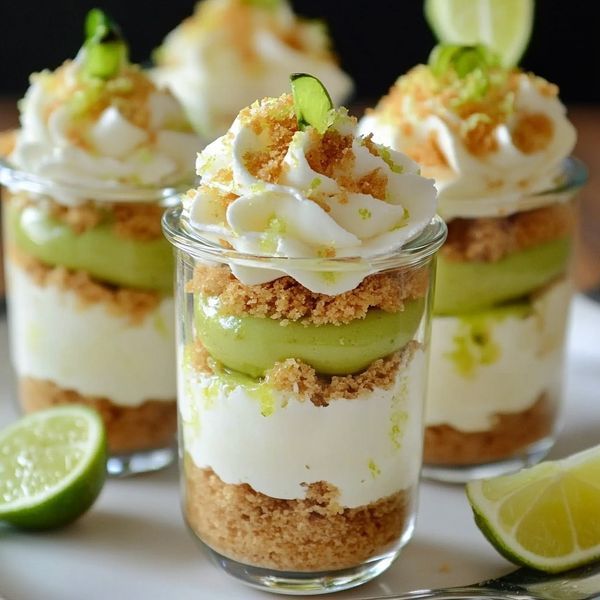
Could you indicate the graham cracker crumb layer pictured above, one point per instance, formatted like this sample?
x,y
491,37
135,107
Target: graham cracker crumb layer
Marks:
x,y
135,305
511,434
491,239
313,534
296,377
128,428
285,298
138,221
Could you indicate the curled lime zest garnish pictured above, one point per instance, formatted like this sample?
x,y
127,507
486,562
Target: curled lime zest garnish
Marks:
x,y
105,48
461,59
312,103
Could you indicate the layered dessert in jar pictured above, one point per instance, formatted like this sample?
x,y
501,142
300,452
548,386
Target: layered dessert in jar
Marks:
x,y
304,274
496,141
89,273
231,52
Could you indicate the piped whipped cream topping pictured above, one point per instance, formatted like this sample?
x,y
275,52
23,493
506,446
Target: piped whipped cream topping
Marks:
x,y
102,134
271,189
490,141
231,52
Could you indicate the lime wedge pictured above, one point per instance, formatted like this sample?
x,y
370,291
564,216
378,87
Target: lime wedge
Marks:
x,y
312,102
546,517
503,25
52,467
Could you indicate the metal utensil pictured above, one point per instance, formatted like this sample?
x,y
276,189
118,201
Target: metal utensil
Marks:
x,y
524,584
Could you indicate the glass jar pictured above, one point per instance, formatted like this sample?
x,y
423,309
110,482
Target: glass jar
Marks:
x,y
91,310
300,414
495,387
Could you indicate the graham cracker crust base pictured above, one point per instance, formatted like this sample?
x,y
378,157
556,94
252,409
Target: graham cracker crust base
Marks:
x,y
313,534
129,428
511,434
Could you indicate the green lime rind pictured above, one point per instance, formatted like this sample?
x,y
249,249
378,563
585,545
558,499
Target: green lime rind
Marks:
x,y
468,286
503,25
252,345
106,256
520,556
312,103
505,507
60,464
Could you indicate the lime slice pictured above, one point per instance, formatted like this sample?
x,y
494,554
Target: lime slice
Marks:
x,y
503,25
545,517
312,102
52,467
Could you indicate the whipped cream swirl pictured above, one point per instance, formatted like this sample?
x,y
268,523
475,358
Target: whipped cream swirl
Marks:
x,y
231,52
270,189
517,157
102,135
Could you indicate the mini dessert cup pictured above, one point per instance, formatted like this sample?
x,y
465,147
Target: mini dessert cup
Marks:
x,y
503,290
496,141
301,413
99,151
90,309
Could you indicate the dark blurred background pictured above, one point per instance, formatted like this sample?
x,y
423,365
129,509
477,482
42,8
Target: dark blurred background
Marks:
x,y
375,39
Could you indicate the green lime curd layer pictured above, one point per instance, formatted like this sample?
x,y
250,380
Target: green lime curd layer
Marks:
x,y
463,287
99,251
252,345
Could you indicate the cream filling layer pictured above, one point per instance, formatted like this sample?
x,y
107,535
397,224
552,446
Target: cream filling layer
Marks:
x,y
86,349
278,443
486,364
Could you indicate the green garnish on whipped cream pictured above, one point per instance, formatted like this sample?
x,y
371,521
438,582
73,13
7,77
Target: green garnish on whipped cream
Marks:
x,y
104,47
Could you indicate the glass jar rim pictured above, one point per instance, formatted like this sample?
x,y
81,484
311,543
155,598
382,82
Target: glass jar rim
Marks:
x,y
17,179
181,234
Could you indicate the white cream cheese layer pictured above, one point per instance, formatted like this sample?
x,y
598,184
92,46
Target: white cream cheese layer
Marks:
x,y
368,447
491,363
495,183
231,53
86,349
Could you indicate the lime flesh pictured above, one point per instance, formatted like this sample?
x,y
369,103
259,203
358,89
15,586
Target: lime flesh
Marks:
x,y
146,265
52,467
503,25
545,517
252,345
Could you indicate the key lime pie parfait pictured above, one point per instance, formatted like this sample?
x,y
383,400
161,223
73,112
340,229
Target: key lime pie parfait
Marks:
x,y
230,52
497,142
89,273
304,275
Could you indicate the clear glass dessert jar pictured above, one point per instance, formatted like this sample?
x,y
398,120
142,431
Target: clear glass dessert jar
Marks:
x,y
301,413
90,309
495,387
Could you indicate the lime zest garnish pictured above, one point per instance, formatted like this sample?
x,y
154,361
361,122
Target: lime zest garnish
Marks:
x,y
461,59
105,48
364,213
312,103
386,156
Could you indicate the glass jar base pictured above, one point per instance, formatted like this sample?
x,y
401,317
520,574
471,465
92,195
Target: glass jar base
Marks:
x,y
532,455
303,584
143,461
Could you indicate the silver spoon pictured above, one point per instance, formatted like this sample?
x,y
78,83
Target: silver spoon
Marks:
x,y
524,584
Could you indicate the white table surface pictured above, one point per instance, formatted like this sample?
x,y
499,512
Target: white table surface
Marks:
x,y
133,544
